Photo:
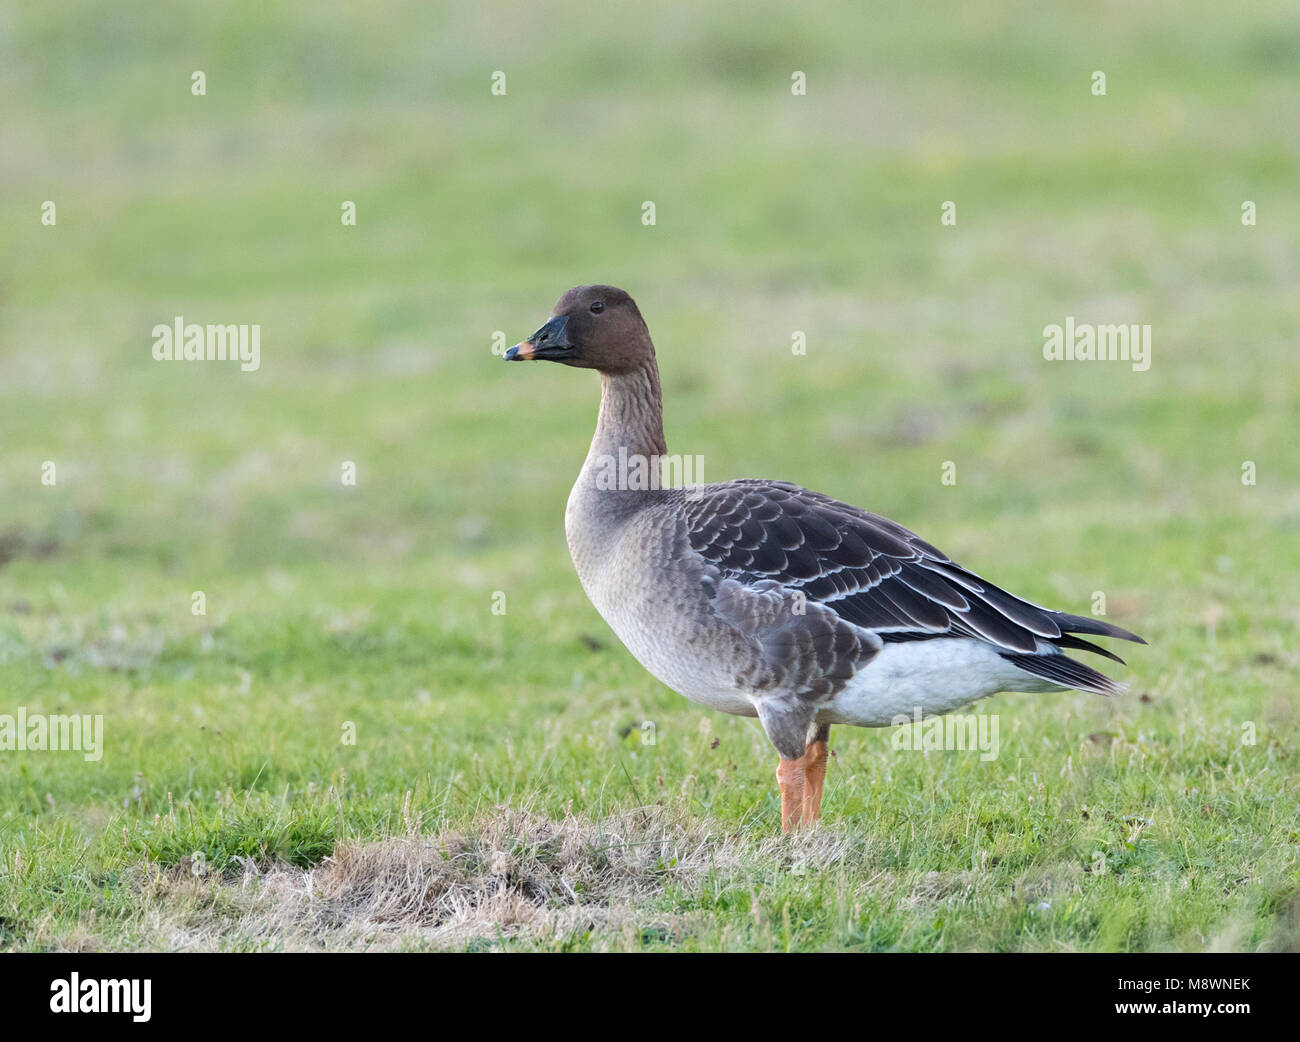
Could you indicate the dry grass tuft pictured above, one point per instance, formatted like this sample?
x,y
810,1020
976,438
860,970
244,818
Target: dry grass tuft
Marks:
x,y
516,875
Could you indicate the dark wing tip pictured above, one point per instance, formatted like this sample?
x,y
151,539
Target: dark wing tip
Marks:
x,y
1083,624
1065,640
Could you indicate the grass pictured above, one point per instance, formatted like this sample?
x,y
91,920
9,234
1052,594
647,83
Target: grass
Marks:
x,y
501,791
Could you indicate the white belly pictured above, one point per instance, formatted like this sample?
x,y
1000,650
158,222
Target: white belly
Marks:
x,y
936,676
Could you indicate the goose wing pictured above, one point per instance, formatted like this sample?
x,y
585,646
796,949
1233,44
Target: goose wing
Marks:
x,y
870,571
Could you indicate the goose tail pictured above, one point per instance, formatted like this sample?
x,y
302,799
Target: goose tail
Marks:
x,y
1065,671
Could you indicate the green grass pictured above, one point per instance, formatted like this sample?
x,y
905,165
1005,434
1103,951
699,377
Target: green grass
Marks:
x,y
1143,823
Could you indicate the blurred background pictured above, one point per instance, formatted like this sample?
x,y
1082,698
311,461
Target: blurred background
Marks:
x,y
775,213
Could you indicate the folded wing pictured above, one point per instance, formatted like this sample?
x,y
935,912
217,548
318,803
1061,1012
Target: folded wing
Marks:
x,y
876,575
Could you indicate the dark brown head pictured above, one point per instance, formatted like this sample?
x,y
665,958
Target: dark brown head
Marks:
x,y
591,327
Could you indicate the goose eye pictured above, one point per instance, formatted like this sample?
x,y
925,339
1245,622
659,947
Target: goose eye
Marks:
x,y
597,307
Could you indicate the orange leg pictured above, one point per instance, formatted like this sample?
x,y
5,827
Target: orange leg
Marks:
x,y
814,766
790,779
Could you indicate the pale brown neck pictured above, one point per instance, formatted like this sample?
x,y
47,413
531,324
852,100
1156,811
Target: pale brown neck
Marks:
x,y
630,425
631,414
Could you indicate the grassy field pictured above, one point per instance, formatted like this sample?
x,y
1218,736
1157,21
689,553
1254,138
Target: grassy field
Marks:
x,y
501,791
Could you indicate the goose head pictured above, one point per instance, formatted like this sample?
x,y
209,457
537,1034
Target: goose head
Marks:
x,y
591,327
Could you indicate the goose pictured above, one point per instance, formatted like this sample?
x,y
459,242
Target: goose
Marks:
x,y
763,599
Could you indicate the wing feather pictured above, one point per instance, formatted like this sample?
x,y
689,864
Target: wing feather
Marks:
x,y
870,571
